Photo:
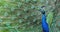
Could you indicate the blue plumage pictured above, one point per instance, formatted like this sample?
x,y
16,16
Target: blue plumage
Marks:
x,y
44,24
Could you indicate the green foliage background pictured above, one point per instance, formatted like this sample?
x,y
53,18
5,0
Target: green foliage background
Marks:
x,y
23,15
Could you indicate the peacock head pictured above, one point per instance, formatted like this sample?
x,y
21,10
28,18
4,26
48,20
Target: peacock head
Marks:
x,y
42,10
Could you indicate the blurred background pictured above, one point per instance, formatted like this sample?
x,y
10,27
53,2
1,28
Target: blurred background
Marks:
x,y
24,15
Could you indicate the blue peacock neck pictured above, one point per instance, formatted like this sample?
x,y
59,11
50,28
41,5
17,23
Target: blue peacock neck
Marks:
x,y
44,18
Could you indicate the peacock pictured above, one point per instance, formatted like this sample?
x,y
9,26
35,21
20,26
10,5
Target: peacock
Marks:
x,y
45,25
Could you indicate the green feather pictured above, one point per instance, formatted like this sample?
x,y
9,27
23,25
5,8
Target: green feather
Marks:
x,y
50,18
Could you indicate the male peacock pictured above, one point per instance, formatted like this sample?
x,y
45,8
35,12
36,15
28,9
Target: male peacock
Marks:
x,y
45,26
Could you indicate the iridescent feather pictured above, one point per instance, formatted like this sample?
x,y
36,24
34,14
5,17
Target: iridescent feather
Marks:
x,y
50,18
